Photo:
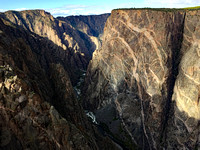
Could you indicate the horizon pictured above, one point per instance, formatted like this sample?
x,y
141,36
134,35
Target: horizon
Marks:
x,y
89,7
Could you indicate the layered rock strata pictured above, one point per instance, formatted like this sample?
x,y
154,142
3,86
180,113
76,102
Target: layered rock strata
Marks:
x,y
143,84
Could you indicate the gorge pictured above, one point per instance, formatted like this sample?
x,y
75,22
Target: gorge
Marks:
x,y
135,71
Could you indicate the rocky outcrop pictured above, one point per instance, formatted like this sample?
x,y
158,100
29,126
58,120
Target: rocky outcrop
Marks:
x,y
143,84
38,107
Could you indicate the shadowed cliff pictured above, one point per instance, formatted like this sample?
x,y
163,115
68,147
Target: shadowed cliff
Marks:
x,y
78,45
38,107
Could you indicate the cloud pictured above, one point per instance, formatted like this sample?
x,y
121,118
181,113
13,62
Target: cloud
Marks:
x,y
69,10
78,10
20,9
172,3
17,9
2,10
72,10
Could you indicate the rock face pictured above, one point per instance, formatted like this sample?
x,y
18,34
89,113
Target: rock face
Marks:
x,y
143,84
92,26
184,129
38,107
78,45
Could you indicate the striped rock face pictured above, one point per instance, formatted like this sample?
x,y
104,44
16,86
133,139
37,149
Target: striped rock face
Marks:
x,y
143,84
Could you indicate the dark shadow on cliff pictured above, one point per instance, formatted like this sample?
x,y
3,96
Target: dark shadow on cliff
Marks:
x,y
34,55
182,131
69,57
44,68
176,38
75,34
95,26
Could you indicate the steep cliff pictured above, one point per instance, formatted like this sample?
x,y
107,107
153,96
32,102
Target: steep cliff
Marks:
x,y
78,45
38,107
183,129
143,84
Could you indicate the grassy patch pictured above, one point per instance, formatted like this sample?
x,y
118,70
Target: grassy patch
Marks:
x,y
196,7
162,9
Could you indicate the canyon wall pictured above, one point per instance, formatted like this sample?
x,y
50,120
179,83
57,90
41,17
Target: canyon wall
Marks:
x,y
92,26
78,42
183,129
143,84
38,107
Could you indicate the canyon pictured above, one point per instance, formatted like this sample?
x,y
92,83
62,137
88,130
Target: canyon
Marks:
x,y
78,41
38,106
125,80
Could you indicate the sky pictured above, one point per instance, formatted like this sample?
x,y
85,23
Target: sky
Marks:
x,y
89,7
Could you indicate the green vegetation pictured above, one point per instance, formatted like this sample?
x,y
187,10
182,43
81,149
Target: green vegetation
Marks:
x,y
192,8
147,8
162,9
